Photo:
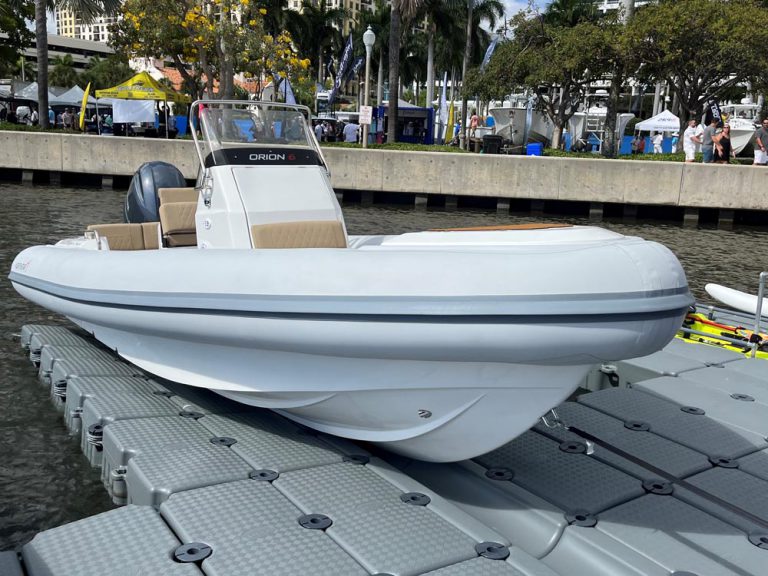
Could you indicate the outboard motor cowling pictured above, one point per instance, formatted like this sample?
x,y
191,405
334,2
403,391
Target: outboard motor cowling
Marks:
x,y
142,202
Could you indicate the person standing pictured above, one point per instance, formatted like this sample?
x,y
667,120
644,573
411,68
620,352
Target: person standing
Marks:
x,y
723,148
689,141
657,140
51,118
34,118
761,144
350,132
675,141
708,142
319,131
474,121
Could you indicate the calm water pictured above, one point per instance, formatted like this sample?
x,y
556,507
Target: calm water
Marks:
x,y
44,479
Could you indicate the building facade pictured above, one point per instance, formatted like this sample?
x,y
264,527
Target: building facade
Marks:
x,y
70,25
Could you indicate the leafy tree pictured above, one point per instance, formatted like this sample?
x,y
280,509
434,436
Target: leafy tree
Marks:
x,y
105,73
379,21
557,63
13,14
442,22
63,73
477,11
205,38
571,12
319,30
702,48
403,12
278,18
87,10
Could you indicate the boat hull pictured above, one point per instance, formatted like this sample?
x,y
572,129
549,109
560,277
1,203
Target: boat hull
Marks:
x,y
423,366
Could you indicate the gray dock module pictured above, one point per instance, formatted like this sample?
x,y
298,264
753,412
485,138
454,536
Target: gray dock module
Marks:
x,y
66,370
81,388
677,358
254,530
124,542
99,411
665,474
50,353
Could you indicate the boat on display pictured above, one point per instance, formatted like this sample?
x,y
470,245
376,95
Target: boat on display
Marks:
x,y
440,345
744,120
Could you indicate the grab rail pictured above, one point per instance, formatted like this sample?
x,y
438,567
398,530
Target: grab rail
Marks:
x,y
759,310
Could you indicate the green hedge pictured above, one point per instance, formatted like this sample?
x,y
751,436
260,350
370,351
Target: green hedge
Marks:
x,y
24,128
396,146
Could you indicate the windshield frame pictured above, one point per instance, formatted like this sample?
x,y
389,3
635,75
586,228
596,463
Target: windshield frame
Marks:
x,y
221,127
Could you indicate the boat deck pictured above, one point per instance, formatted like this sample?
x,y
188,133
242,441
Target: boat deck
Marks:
x,y
674,483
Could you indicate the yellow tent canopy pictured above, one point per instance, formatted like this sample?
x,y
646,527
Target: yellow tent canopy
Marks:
x,y
142,87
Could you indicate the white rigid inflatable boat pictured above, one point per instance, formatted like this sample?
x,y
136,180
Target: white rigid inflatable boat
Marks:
x,y
440,345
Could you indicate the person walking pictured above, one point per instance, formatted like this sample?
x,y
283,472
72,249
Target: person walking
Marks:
x,y
761,144
723,148
658,140
689,141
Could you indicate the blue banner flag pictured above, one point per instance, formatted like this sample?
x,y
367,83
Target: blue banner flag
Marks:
x,y
356,67
287,92
713,111
489,53
346,60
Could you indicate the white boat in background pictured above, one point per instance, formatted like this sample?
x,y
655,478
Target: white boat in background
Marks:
x,y
518,121
440,345
743,119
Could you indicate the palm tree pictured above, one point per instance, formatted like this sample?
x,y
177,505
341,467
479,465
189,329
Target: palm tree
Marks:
x,y
87,10
403,11
279,17
570,12
441,22
486,10
63,73
379,21
320,30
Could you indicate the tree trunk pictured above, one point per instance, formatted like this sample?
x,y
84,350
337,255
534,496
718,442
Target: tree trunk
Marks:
x,y
430,67
464,67
394,71
380,79
320,72
41,38
610,148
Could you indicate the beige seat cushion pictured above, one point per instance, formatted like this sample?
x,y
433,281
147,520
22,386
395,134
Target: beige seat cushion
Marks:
x,y
177,195
177,220
309,234
143,236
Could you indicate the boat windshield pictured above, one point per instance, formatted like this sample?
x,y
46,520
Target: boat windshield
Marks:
x,y
246,132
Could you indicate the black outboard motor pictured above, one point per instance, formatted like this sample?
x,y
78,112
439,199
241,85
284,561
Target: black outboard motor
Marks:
x,y
142,203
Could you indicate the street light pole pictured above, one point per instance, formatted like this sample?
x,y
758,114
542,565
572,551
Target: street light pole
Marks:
x,y
369,38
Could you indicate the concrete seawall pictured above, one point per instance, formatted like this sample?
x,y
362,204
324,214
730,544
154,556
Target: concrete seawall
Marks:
x,y
598,181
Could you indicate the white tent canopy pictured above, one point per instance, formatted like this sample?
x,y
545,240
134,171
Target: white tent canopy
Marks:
x,y
30,93
72,97
663,122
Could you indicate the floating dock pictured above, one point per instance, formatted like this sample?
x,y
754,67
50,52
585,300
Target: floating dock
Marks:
x,y
662,470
